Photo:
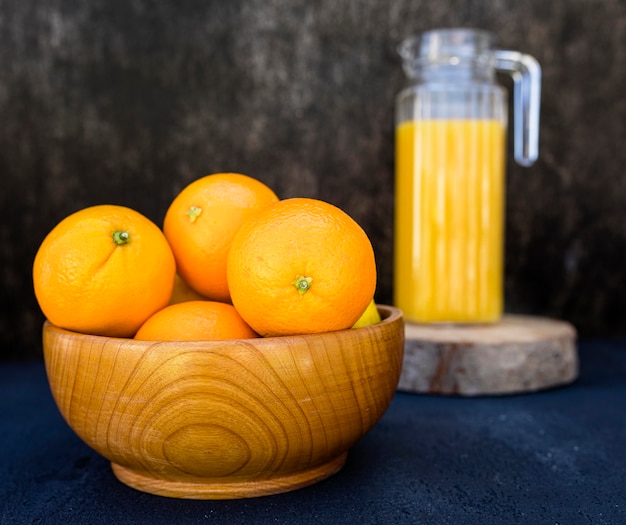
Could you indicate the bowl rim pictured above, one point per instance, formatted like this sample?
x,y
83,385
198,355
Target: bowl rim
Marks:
x,y
389,315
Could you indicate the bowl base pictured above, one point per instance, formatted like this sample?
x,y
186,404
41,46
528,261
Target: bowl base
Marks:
x,y
215,489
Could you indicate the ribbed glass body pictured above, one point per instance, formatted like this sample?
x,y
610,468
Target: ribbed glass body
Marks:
x,y
450,158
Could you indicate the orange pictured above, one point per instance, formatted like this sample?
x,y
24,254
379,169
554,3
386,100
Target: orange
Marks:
x,y
182,292
195,321
103,270
301,266
201,222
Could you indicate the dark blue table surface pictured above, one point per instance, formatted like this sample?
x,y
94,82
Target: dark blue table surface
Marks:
x,y
553,457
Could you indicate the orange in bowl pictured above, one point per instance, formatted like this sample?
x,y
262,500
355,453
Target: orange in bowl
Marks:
x,y
195,321
103,270
182,292
201,222
301,266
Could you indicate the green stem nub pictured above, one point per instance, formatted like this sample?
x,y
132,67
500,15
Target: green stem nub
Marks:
x,y
120,238
194,212
302,283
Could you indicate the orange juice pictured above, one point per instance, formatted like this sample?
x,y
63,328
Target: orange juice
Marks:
x,y
449,220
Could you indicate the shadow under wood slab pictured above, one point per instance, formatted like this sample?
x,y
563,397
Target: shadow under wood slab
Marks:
x,y
518,354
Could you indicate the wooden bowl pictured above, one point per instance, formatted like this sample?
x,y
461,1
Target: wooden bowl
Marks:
x,y
225,419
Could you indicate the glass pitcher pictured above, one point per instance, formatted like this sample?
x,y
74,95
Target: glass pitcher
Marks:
x,y
451,125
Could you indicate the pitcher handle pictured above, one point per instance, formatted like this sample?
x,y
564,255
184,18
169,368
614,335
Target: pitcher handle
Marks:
x,y
526,74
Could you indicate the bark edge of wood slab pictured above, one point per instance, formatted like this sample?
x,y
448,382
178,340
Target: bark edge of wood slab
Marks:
x,y
516,355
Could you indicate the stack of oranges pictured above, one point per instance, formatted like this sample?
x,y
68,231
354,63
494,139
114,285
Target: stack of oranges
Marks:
x,y
232,261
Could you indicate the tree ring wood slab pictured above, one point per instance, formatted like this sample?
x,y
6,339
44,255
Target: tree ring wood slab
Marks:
x,y
518,354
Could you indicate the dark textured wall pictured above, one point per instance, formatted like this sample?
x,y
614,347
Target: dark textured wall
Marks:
x,y
126,101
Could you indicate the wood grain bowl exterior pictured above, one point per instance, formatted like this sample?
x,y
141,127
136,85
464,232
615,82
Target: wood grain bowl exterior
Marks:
x,y
228,419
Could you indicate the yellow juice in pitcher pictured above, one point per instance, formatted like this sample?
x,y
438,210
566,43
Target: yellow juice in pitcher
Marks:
x,y
449,220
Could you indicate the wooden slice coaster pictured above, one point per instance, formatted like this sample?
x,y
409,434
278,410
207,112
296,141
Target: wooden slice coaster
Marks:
x,y
517,354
